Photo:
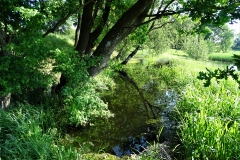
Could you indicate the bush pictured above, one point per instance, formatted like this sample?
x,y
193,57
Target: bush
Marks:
x,y
195,48
81,101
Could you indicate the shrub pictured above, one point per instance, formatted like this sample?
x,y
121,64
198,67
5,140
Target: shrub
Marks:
x,y
195,48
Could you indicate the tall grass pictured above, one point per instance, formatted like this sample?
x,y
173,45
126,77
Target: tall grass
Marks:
x,y
22,136
223,57
210,121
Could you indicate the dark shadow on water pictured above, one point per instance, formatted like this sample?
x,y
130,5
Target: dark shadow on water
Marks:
x,y
128,131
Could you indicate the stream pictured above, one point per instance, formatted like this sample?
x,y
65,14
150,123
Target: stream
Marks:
x,y
133,126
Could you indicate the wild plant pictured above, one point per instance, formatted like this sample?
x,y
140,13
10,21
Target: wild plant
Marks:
x,y
210,121
22,135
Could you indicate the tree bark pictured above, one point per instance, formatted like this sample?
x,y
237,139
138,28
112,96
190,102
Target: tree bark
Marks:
x,y
122,28
5,101
58,88
78,29
86,26
96,33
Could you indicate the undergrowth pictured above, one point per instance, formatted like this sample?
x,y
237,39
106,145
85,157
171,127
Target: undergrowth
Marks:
x,y
24,136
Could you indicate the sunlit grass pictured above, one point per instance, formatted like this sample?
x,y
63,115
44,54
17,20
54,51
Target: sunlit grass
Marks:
x,y
210,121
224,57
60,41
209,117
28,132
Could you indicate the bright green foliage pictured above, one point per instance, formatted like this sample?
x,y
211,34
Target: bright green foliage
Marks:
x,y
26,69
214,11
24,136
196,48
210,121
84,105
160,39
236,44
82,102
222,57
222,37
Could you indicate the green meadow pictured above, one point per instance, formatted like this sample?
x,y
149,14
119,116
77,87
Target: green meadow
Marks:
x,y
224,57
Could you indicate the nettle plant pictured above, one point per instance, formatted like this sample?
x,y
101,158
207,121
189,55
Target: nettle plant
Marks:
x,y
82,102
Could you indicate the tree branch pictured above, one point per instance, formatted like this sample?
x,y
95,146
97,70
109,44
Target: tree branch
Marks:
x,y
64,19
157,16
153,28
131,55
165,8
56,26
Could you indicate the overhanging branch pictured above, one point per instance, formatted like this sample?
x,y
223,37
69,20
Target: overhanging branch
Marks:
x,y
64,19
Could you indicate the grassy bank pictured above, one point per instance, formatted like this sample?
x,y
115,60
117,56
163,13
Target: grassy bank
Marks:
x,y
210,121
224,57
208,117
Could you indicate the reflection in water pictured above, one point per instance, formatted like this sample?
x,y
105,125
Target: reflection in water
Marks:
x,y
131,145
127,132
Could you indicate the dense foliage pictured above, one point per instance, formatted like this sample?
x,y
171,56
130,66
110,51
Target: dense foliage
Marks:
x,y
210,123
36,67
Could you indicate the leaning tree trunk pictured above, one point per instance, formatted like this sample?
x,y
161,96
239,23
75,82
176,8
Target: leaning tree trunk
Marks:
x,y
123,27
129,21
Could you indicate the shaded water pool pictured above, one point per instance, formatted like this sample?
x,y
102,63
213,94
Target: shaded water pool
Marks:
x,y
129,131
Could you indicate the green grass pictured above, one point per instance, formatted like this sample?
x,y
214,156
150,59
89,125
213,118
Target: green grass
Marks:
x,y
210,121
209,117
224,57
23,135
60,41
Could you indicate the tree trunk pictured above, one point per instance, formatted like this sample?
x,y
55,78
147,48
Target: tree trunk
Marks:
x,y
5,39
58,88
96,33
86,26
77,32
5,101
123,27
119,53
